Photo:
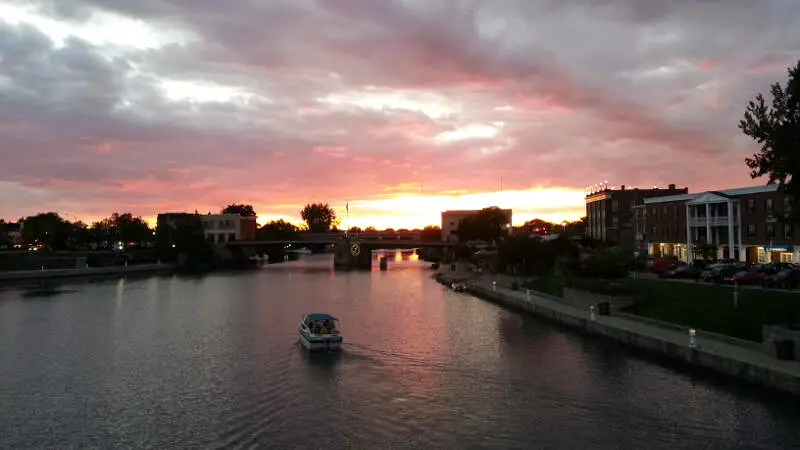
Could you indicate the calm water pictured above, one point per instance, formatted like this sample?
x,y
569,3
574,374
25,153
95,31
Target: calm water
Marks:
x,y
214,363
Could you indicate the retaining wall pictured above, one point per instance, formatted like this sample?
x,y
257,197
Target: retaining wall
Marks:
x,y
664,342
22,275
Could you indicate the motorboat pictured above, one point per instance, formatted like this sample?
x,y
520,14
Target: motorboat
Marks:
x,y
458,287
319,332
259,259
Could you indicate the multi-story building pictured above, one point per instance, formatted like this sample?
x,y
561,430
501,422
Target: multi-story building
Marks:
x,y
610,212
745,224
451,220
229,227
217,228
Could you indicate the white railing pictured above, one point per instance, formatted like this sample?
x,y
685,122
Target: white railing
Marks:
x,y
714,221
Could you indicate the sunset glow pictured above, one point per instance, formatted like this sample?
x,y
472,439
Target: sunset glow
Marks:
x,y
402,109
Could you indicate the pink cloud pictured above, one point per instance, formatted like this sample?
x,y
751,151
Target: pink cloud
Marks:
x,y
344,101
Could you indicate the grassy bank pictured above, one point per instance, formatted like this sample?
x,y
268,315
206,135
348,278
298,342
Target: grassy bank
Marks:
x,y
700,305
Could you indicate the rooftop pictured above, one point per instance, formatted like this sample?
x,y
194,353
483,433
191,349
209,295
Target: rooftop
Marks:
x,y
735,192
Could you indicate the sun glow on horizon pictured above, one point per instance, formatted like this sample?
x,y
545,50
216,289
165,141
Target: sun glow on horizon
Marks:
x,y
409,211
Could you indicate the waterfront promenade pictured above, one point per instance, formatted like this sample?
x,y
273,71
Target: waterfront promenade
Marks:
x,y
723,354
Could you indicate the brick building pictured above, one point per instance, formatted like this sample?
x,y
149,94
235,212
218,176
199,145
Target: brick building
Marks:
x,y
745,224
217,228
610,212
452,218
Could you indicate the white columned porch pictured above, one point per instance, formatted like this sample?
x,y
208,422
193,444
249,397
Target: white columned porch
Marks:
x,y
742,256
709,238
688,235
731,239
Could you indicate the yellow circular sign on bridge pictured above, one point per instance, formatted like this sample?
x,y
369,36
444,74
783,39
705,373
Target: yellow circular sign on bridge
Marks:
x,y
355,249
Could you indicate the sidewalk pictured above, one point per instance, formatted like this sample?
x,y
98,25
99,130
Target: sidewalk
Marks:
x,y
21,275
742,362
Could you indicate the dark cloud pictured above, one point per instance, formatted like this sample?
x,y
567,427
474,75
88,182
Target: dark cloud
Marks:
x,y
305,99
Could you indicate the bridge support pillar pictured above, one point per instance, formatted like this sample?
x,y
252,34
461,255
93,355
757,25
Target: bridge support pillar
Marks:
x,y
349,254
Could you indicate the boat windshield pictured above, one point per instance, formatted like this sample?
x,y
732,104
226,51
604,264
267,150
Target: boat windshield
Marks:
x,y
327,326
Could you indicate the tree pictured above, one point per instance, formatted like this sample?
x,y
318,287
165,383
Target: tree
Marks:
x,y
319,217
370,230
123,227
431,233
47,228
242,210
488,224
577,227
185,237
776,128
277,230
5,239
79,236
538,226
355,230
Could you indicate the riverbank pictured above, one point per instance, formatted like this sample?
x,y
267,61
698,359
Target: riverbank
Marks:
x,y
23,275
728,356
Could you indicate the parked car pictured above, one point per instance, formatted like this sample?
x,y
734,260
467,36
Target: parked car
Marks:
x,y
659,266
784,279
711,271
719,273
682,272
751,276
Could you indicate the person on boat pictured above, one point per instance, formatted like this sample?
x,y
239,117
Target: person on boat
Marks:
x,y
324,329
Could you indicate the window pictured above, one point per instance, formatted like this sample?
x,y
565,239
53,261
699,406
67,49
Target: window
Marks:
x,y
770,206
221,237
615,221
654,212
771,230
615,205
633,203
751,230
787,206
653,231
787,231
674,211
751,206
231,237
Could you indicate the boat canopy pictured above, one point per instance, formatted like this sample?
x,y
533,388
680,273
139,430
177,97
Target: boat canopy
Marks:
x,y
320,316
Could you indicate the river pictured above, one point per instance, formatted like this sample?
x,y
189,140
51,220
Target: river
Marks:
x,y
213,362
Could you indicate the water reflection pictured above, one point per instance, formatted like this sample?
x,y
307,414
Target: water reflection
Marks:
x,y
214,362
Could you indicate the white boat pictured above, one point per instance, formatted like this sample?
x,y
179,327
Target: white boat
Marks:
x,y
318,332
259,259
301,251
458,287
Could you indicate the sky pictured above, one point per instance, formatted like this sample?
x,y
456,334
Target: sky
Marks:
x,y
399,108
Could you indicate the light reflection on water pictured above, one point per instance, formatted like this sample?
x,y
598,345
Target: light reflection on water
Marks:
x,y
213,362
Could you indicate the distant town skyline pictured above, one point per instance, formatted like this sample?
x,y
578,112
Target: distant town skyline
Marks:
x,y
401,108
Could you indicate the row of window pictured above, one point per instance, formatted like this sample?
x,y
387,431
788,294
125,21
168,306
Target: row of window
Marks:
x,y
752,231
220,237
227,224
788,231
769,205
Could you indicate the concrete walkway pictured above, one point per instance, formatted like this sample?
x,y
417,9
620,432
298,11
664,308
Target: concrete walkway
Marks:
x,y
682,339
20,275
746,362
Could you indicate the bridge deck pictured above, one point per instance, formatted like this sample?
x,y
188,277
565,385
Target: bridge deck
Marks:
x,y
386,243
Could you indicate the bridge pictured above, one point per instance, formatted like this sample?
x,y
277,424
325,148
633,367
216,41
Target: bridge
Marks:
x,y
351,250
